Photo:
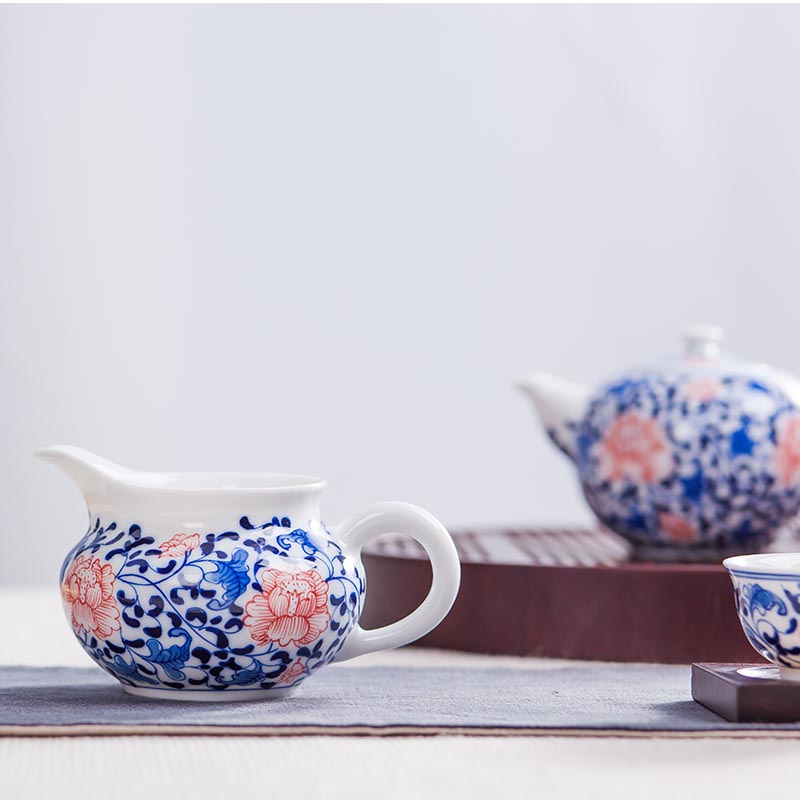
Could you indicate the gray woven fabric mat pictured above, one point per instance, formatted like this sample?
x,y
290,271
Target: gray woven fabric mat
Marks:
x,y
379,700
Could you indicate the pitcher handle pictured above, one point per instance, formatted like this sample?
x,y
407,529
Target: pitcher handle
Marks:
x,y
395,517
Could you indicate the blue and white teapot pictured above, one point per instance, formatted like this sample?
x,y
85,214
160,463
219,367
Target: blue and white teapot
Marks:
x,y
694,459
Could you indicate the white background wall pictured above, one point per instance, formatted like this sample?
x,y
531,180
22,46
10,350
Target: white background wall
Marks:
x,y
324,239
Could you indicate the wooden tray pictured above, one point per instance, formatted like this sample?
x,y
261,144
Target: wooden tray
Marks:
x,y
562,593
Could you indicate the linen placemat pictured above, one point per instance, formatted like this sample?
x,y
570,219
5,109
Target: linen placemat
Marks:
x,y
625,700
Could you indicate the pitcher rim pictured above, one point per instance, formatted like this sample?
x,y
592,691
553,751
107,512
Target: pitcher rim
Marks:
x,y
221,482
90,471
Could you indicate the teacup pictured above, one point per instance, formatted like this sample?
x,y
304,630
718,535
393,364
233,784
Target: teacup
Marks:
x,y
224,586
767,592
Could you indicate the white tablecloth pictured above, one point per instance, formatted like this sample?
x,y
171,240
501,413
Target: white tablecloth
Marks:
x,y
338,767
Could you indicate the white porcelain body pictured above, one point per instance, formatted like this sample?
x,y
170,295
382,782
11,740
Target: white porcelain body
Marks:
x,y
767,592
229,586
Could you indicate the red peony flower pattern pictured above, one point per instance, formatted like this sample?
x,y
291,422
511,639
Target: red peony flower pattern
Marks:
x,y
294,671
786,456
635,447
702,390
179,545
291,609
677,528
88,593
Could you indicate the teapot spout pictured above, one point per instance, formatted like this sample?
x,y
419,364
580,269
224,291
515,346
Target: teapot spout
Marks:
x,y
560,404
93,475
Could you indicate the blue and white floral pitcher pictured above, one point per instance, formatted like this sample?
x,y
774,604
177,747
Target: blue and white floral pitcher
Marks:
x,y
228,586
692,459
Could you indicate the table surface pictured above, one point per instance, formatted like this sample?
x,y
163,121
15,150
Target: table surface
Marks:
x,y
334,767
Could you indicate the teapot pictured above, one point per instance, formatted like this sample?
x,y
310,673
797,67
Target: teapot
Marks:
x,y
226,586
695,458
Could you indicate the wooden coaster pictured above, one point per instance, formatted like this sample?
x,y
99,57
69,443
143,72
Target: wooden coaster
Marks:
x,y
562,593
746,692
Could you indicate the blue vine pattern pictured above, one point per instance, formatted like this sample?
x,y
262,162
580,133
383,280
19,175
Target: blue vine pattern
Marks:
x,y
711,478
769,620
192,613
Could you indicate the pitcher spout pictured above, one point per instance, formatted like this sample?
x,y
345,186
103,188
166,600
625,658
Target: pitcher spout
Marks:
x,y
560,404
92,474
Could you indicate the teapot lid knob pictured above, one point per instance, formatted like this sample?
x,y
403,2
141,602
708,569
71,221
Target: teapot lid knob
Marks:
x,y
701,341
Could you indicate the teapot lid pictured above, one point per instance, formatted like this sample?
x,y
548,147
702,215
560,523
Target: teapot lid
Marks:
x,y
703,358
701,342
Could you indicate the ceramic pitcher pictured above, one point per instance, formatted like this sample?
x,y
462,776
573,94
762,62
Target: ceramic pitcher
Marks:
x,y
214,586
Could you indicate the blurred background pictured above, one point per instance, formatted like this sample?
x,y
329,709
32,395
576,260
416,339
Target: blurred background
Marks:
x,y
326,239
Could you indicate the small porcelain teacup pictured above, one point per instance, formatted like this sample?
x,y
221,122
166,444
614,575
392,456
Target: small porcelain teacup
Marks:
x,y
767,590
